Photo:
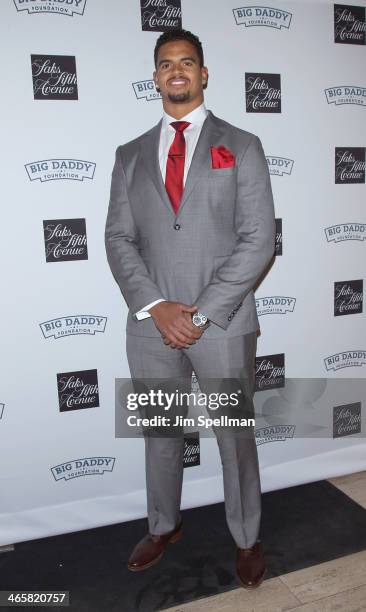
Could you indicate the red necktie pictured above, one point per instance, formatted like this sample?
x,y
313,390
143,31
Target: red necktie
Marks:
x,y
175,164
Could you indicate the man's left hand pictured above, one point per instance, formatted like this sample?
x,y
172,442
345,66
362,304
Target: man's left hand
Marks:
x,y
197,330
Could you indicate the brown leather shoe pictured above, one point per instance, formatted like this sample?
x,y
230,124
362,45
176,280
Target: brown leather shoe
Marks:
x,y
151,548
250,566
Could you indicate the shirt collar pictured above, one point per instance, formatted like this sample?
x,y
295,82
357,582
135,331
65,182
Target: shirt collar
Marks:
x,y
196,117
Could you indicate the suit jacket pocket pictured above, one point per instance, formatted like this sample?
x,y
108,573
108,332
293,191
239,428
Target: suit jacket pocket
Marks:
x,y
221,172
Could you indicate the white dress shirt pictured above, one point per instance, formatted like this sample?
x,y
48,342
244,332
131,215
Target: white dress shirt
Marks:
x,y
167,134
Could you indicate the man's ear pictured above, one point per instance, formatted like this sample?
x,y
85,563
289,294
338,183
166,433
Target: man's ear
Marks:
x,y
155,83
204,77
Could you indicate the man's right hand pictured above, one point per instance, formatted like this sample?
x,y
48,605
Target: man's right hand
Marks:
x,y
174,325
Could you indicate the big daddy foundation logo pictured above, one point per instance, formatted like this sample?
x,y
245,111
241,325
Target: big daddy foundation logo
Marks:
x,y
346,94
348,297
262,16
279,166
278,238
146,90
345,231
77,390
191,452
60,169
54,77
161,15
87,466
262,92
73,325
56,7
269,372
346,359
65,239
346,420
275,304
349,24
349,165
274,433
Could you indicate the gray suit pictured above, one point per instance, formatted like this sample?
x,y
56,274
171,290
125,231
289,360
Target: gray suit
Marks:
x,y
210,254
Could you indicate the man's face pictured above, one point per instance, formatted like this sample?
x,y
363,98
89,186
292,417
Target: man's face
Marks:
x,y
178,74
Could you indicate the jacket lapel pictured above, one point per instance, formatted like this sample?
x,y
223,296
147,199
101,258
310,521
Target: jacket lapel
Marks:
x,y
201,160
150,156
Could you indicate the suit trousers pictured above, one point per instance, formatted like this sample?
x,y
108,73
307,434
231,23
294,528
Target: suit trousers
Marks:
x,y
209,358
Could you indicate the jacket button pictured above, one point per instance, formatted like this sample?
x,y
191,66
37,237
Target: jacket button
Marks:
x,y
177,226
230,317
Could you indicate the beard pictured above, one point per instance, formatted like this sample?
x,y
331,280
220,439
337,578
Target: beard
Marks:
x,y
182,97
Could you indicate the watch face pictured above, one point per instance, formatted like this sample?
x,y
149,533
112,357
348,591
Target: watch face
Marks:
x,y
199,319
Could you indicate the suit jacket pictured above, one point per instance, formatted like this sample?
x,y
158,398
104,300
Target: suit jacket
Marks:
x,y
212,252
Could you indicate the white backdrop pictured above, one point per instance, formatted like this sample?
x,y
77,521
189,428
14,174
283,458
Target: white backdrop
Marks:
x,y
112,53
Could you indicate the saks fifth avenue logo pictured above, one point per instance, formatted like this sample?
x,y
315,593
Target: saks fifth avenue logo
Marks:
x,y
279,165
146,89
77,390
346,94
345,231
161,15
263,92
60,169
348,297
269,372
65,240
88,466
346,420
349,24
58,7
191,452
275,305
349,165
274,433
262,16
278,238
73,325
346,359
54,77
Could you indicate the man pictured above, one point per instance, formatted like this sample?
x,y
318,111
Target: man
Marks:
x,y
190,229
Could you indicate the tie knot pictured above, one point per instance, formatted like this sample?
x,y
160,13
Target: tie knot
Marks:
x,y
180,126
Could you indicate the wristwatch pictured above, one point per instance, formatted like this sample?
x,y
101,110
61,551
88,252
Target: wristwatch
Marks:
x,y
199,319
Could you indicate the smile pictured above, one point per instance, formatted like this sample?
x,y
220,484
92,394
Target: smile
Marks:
x,y
177,82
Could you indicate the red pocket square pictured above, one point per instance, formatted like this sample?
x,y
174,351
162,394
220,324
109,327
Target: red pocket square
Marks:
x,y
222,157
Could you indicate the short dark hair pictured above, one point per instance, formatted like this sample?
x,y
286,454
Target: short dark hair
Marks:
x,y
173,35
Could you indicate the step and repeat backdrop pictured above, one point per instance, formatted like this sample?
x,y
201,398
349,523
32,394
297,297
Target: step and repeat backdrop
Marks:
x,y
77,82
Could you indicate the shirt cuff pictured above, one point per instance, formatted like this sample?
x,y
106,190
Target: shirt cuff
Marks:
x,y
143,313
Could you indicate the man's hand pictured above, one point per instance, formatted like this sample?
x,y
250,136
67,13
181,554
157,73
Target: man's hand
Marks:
x,y
173,320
